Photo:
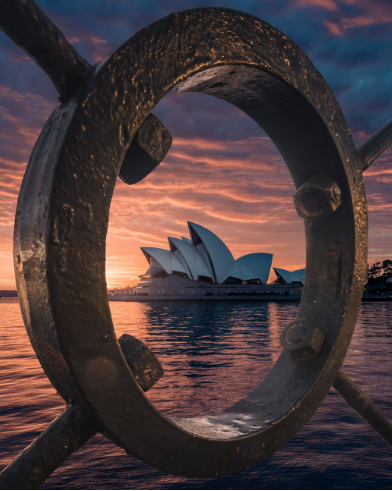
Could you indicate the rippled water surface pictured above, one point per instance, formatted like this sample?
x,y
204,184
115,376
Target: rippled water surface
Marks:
x,y
213,353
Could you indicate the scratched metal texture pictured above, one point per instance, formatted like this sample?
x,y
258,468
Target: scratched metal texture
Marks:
x,y
62,219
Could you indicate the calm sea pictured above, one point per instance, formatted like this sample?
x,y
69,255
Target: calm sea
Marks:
x,y
213,353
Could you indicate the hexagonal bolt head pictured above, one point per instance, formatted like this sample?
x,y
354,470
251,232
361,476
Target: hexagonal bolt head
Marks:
x,y
300,341
317,198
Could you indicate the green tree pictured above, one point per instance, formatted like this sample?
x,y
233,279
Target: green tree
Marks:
x,y
387,269
375,272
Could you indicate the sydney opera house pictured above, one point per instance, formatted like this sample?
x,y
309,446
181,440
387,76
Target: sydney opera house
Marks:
x,y
202,267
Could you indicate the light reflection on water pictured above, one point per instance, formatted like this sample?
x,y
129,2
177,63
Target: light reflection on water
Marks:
x,y
213,353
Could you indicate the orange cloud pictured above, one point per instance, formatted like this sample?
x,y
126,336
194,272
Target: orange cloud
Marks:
x,y
216,184
240,189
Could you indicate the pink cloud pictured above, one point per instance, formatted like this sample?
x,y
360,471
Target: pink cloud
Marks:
x,y
373,13
99,48
324,4
334,28
88,38
241,186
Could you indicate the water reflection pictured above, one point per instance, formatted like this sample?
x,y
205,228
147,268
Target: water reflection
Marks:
x,y
213,354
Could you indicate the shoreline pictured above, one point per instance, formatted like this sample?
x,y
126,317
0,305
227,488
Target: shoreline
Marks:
x,y
210,299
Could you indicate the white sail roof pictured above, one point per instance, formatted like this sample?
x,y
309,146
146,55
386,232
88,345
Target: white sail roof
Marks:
x,y
300,274
297,276
203,251
220,256
167,260
259,263
241,272
205,255
191,256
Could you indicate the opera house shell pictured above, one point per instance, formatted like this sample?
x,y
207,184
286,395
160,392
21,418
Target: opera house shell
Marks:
x,y
297,276
206,257
203,265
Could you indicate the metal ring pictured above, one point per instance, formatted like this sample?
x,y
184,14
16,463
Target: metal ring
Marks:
x,y
62,220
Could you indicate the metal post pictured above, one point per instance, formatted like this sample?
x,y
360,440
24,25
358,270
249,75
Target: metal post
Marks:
x,y
358,400
375,145
73,428
29,27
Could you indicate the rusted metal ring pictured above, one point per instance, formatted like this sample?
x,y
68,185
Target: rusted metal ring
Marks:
x,y
62,220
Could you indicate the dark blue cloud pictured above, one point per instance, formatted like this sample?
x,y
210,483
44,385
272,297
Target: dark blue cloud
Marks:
x,y
357,65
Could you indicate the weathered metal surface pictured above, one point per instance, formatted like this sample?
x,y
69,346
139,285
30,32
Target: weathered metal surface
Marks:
x,y
148,148
26,24
145,366
73,428
317,198
64,436
358,400
103,129
301,340
375,145
62,219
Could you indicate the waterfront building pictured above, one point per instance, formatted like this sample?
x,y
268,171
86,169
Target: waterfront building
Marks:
x,y
202,267
285,276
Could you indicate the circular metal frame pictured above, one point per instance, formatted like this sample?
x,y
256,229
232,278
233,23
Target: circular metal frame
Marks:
x,y
62,220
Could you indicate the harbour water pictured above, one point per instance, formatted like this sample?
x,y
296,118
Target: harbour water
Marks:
x,y
213,353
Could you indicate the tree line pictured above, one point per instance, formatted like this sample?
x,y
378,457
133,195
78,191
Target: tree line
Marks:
x,y
379,272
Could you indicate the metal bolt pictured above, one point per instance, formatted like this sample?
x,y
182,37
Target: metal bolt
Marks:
x,y
296,334
318,197
301,341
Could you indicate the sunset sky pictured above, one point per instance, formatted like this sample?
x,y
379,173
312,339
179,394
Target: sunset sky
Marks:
x,y
222,171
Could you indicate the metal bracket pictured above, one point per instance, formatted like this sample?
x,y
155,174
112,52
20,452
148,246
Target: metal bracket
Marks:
x,y
63,210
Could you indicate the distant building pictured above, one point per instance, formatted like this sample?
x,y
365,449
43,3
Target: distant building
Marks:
x,y
206,257
203,266
285,276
